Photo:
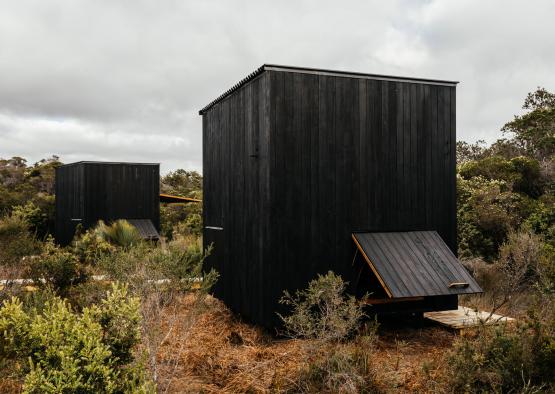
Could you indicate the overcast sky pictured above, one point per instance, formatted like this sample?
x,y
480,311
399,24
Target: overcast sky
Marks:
x,y
124,80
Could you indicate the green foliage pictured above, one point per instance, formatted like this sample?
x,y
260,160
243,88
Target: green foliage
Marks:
x,y
502,359
542,221
485,215
118,233
179,265
21,185
37,217
181,182
68,352
529,180
91,246
322,311
57,268
16,239
119,317
188,216
493,167
535,130
520,174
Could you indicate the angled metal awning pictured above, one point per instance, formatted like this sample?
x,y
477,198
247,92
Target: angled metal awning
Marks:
x,y
176,199
145,227
414,264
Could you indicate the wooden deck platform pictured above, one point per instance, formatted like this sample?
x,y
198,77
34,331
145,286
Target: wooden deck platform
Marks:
x,y
464,317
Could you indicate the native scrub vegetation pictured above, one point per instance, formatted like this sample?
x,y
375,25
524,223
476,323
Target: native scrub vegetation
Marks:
x,y
149,323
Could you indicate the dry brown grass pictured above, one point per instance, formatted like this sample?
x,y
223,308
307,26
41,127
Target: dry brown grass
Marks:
x,y
221,354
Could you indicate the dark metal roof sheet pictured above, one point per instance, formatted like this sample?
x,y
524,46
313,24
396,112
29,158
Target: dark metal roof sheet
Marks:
x,y
414,264
145,227
321,71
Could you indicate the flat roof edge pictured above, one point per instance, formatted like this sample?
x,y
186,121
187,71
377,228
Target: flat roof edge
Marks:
x,y
321,71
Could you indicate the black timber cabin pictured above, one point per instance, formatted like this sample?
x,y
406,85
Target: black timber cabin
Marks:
x,y
89,191
309,170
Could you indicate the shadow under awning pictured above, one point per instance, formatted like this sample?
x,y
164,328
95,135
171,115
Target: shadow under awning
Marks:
x,y
414,264
145,227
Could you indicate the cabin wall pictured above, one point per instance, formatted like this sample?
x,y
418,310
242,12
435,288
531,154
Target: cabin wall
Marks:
x,y
236,188
70,201
354,154
335,155
92,191
122,191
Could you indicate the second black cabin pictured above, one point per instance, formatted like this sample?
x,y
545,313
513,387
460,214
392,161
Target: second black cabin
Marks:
x,y
309,170
88,191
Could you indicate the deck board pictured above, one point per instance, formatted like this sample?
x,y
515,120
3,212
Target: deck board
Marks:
x,y
464,317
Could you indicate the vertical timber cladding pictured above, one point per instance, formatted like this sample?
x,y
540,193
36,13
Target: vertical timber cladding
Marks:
x,y
89,191
70,203
236,186
337,153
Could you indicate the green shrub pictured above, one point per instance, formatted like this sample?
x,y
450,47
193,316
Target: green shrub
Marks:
x,y
63,351
120,319
491,168
16,240
40,217
503,359
530,180
179,265
90,246
542,221
57,267
322,311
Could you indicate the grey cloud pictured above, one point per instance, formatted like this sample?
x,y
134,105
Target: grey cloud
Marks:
x,y
123,80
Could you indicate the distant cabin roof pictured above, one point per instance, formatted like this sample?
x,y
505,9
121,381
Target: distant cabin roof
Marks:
x,y
321,71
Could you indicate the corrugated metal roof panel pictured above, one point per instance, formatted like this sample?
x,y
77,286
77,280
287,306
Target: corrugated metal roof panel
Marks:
x,y
413,264
321,71
145,227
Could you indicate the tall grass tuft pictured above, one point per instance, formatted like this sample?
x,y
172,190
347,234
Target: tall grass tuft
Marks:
x,y
119,233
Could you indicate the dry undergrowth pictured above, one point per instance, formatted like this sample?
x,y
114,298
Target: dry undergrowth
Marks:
x,y
220,354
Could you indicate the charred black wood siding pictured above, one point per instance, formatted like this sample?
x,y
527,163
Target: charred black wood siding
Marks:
x,y
337,154
90,191
237,183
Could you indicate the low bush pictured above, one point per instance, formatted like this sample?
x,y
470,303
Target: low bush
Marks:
x,y
159,275
62,351
504,359
90,246
16,240
322,311
57,268
341,367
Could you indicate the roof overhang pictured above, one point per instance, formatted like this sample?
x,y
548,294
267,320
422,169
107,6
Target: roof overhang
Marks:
x,y
167,198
